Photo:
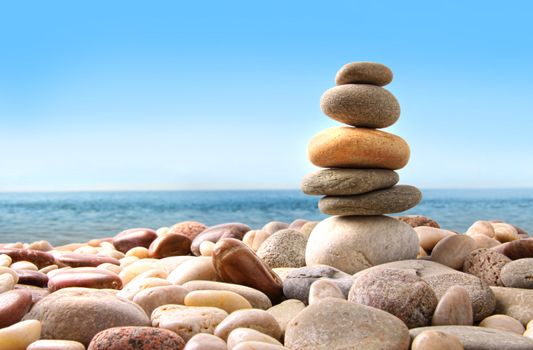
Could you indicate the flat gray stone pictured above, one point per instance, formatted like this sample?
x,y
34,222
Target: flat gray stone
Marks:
x,y
387,201
342,182
482,338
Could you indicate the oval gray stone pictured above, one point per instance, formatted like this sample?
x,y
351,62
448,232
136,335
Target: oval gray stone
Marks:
x,y
285,248
518,274
361,105
387,201
342,182
364,73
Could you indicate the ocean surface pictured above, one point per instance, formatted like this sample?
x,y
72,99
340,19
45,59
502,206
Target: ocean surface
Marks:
x,y
74,217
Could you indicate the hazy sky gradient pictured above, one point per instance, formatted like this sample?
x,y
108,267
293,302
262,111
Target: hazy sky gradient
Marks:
x,y
131,95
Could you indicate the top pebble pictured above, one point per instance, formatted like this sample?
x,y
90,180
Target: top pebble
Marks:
x,y
364,73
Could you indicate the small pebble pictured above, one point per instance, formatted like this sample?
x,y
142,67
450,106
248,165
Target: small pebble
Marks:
x,y
324,288
454,308
56,345
24,265
205,341
436,340
225,300
20,335
504,323
240,335
259,320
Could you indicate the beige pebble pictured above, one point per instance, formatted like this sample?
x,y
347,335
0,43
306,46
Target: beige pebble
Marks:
x,y
87,250
162,231
454,308
49,268
421,253
140,252
257,345
7,270
24,265
430,236
481,228
240,335
151,298
255,238
259,320
324,288
225,300
505,232
199,268
107,245
286,311
135,286
436,340
20,335
7,282
112,253
504,323
43,246
18,245
453,250
528,333
50,344
128,260
205,341
206,248
110,267
154,272
483,241
135,268
5,260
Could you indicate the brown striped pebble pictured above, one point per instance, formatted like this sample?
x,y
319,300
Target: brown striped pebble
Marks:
x,y
40,259
135,237
88,277
169,245
85,260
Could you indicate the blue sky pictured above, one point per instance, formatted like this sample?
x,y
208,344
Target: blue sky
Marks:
x,y
160,95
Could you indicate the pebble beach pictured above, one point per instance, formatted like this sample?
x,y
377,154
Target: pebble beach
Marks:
x,y
363,276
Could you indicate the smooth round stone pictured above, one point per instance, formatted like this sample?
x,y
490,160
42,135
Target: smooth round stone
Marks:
x,y
240,335
340,182
87,277
399,292
348,147
189,229
223,299
169,245
514,302
441,278
218,232
418,220
430,236
151,298
518,274
354,243
206,248
204,341
481,338
274,226
259,320
199,268
483,241
39,258
323,288
111,267
135,237
56,345
297,224
504,323
308,228
518,249
361,105
256,298
236,263
136,267
504,232
136,338
297,283
453,250
5,260
139,252
481,227
258,345
364,73
436,340
486,264
85,260
285,248
9,271
140,284
454,308
20,335
24,265
387,201
32,278
7,282
338,324
285,311
13,306
254,238
79,313
36,293
188,321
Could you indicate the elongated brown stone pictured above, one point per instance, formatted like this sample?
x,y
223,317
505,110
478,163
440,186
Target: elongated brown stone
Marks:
x,y
85,260
518,249
169,245
39,258
13,306
88,277
235,262
218,232
32,278
135,237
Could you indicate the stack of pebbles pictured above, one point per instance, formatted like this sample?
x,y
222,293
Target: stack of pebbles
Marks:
x,y
359,183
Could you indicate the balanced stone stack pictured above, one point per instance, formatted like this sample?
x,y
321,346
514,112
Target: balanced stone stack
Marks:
x,y
359,183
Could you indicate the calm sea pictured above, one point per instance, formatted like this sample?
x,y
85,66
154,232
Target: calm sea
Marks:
x,y
73,217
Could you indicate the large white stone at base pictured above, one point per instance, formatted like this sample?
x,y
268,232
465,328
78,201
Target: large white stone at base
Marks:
x,y
354,243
